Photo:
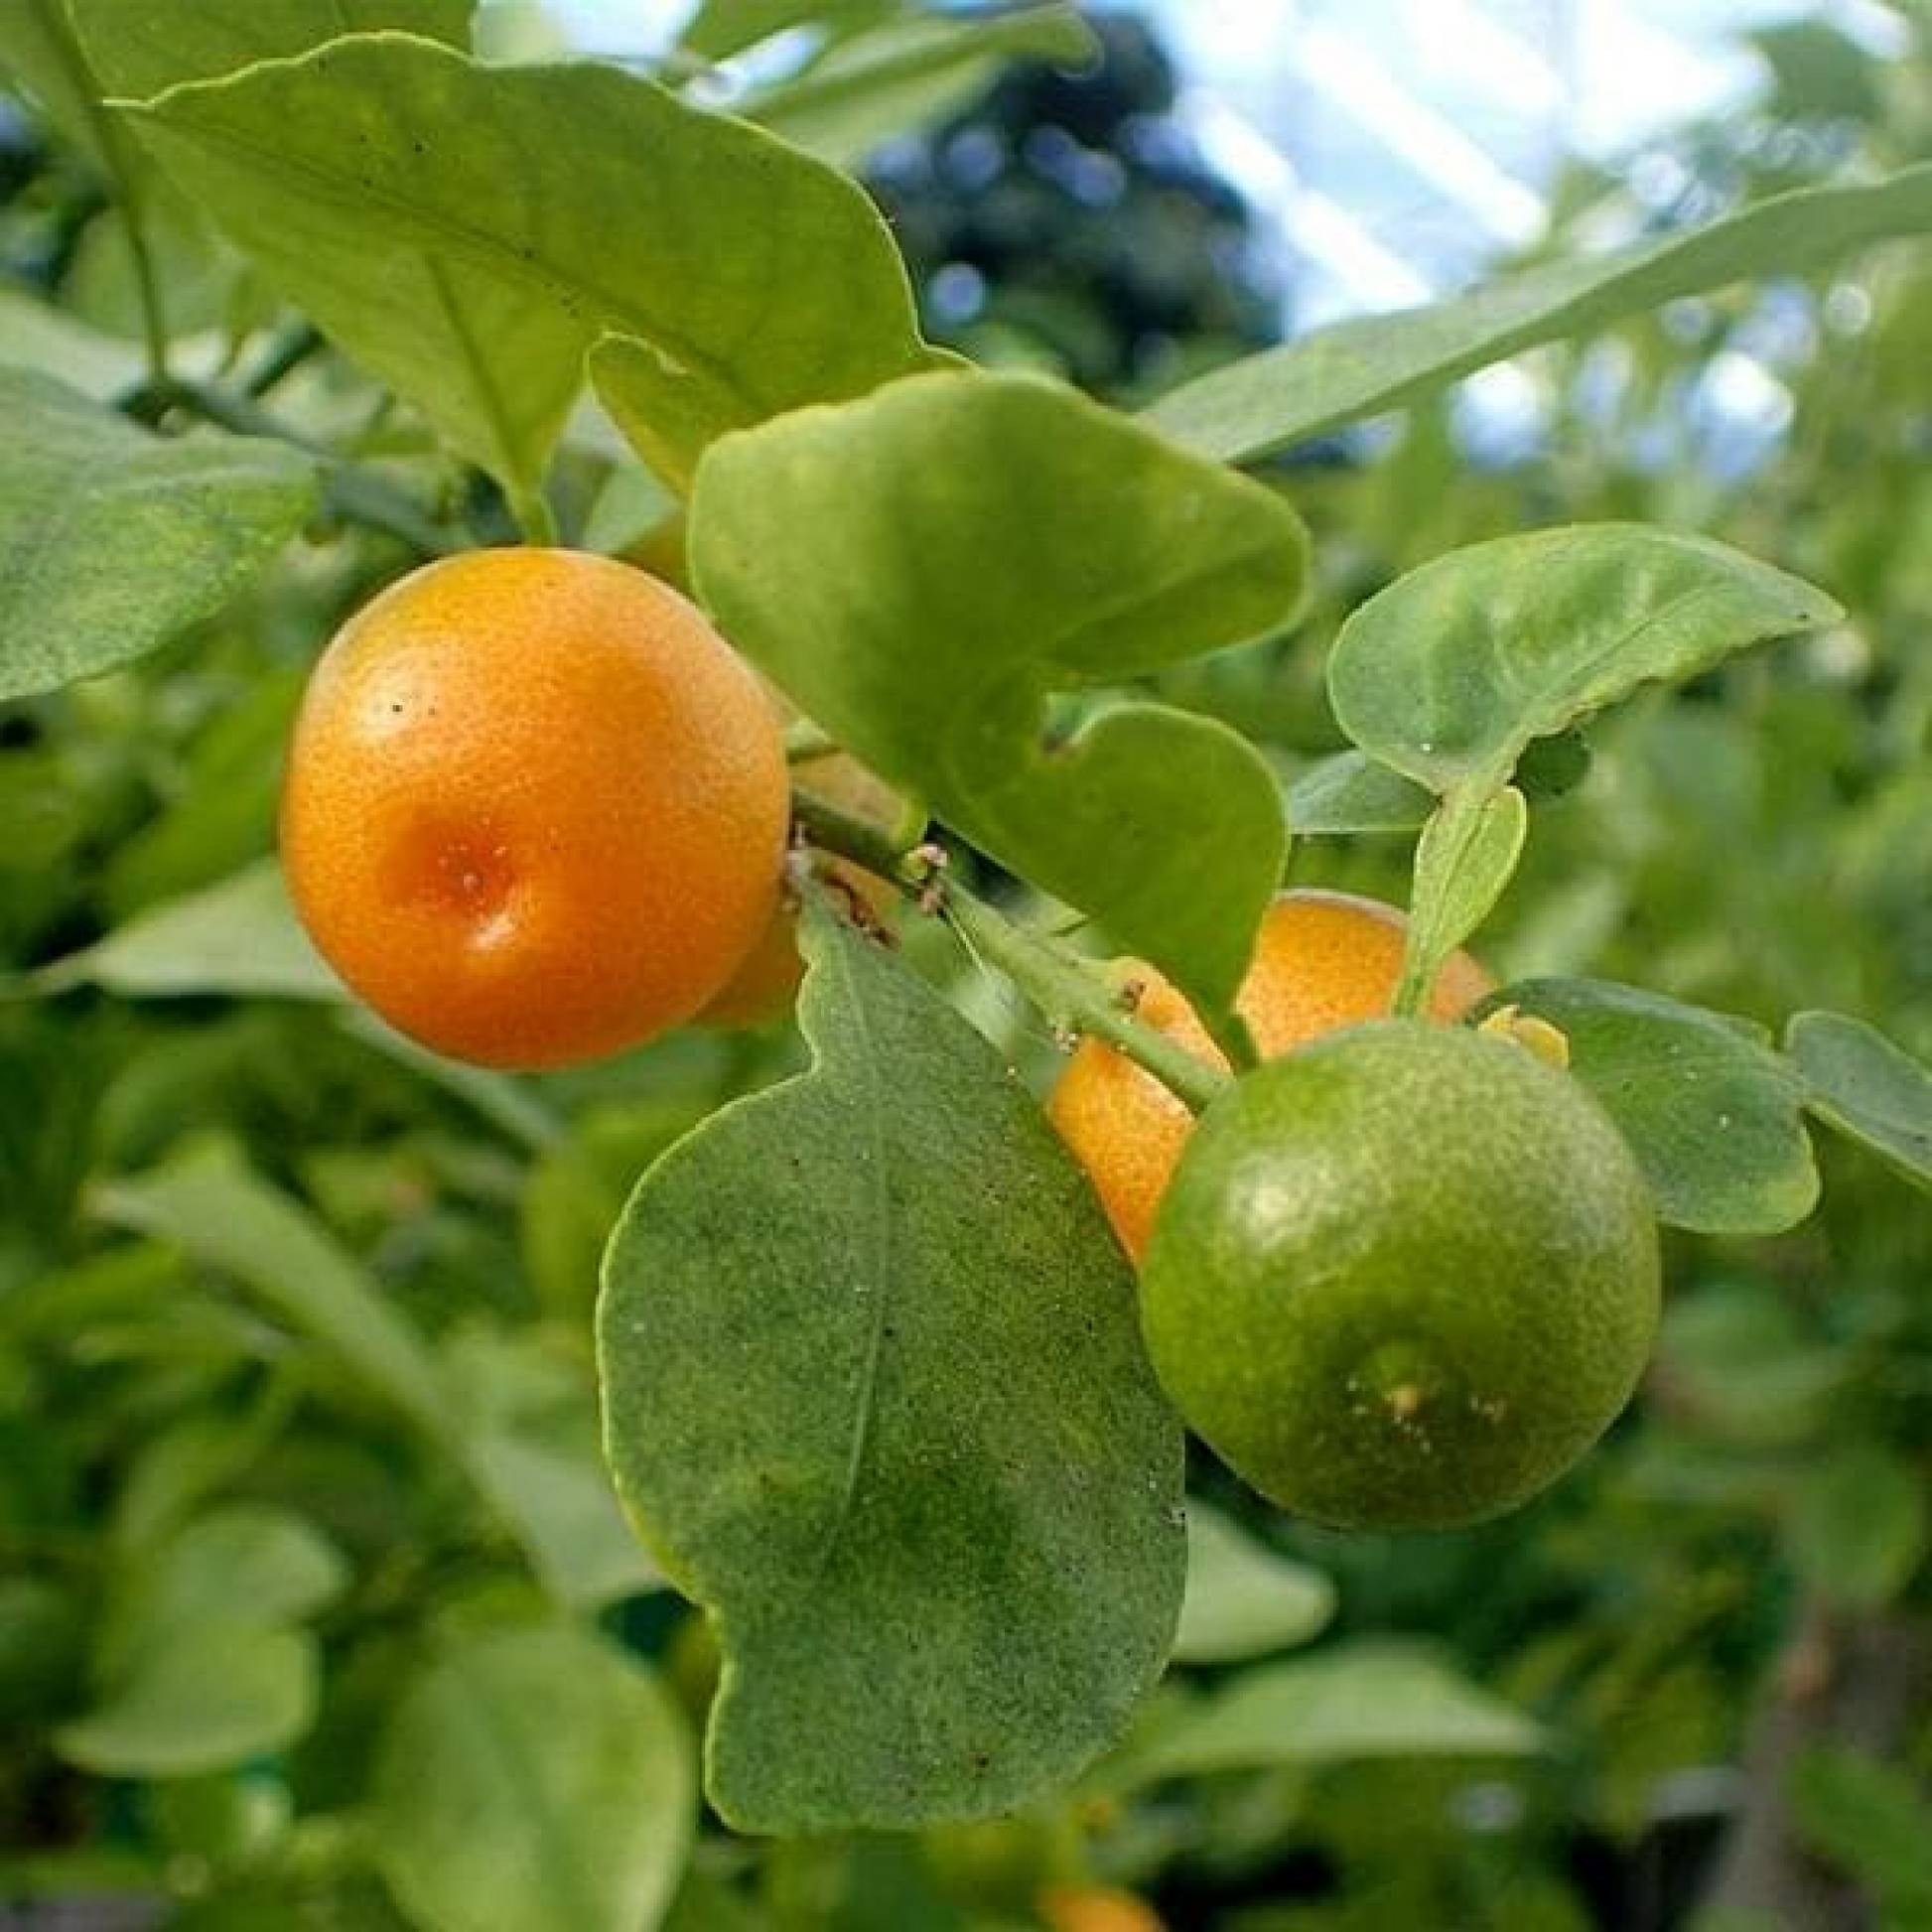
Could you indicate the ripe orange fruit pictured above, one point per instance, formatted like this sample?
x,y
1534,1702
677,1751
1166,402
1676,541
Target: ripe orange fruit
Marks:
x,y
1404,1277
535,808
1322,960
1095,1908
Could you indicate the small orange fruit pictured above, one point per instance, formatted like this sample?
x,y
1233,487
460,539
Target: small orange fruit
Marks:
x,y
535,808
1095,1908
1322,960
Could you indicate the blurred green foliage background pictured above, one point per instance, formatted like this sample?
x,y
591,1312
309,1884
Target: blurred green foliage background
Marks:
x,y
1714,1639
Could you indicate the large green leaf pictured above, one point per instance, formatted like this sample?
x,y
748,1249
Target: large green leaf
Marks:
x,y
140,47
1369,364
875,1394
521,212
920,571
1711,1111
113,542
535,1778
1366,1699
1858,1082
1449,673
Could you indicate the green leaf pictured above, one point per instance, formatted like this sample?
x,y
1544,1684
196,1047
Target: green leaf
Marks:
x,y
238,937
920,569
1370,364
1364,1700
1866,1818
56,343
217,1695
1449,673
1349,792
1858,1082
908,73
528,1419
1710,1112
719,29
139,48
1857,1524
535,1778
201,1668
1243,1598
505,205
875,1393
222,814
228,1217
1465,861
113,542
242,1564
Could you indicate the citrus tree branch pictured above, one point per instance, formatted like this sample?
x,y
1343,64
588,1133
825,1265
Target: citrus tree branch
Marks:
x,y
355,492
1065,986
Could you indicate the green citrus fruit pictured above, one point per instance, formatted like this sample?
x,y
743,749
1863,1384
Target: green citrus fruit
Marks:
x,y
1404,1277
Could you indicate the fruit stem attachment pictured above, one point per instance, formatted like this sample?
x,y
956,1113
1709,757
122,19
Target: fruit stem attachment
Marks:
x,y
1069,988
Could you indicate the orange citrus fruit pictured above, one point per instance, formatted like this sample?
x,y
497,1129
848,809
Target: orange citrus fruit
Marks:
x,y
1322,960
1095,1908
535,808
1404,1277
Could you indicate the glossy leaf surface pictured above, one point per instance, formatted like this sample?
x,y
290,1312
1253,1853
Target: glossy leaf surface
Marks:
x,y
1451,672
923,570
506,207
1711,1111
1370,364
1862,1085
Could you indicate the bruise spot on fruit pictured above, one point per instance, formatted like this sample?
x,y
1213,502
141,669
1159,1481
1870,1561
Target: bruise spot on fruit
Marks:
x,y
467,874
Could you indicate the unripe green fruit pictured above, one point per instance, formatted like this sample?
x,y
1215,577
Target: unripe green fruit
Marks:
x,y
1404,1277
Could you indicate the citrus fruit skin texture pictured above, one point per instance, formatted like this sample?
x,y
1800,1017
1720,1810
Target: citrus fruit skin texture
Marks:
x,y
535,809
1322,960
1403,1278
